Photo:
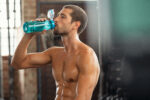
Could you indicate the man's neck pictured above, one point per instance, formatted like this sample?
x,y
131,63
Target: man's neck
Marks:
x,y
70,42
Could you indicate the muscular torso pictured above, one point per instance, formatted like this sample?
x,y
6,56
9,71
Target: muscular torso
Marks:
x,y
75,72
65,73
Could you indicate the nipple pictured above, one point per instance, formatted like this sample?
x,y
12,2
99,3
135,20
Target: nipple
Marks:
x,y
70,80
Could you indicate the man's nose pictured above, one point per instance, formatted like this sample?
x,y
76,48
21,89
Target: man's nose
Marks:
x,y
55,20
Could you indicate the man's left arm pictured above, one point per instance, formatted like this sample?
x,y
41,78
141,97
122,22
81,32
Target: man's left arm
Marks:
x,y
88,75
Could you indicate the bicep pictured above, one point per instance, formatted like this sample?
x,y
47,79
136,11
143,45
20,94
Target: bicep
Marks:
x,y
36,59
85,86
88,75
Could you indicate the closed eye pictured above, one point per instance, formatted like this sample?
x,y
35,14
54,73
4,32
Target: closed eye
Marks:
x,y
61,15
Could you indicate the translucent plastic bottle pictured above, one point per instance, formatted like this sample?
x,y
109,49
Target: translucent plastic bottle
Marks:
x,y
38,26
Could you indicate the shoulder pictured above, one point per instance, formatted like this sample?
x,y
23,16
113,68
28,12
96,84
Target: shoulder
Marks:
x,y
86,50
87,61
87,55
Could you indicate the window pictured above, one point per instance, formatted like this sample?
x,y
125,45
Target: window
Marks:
x,y
10,21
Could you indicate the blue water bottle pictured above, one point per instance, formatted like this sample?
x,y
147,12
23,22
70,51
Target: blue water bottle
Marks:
x,y
38,26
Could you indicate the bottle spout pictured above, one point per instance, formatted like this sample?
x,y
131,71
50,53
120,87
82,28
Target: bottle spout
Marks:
x,y
51,14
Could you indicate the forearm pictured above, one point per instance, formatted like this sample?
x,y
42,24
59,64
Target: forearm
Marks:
x,y
21,50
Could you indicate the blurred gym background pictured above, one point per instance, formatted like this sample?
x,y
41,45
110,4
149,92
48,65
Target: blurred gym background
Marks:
x,y
118,31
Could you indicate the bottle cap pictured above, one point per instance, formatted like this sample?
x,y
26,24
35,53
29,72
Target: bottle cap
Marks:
x,y
50,14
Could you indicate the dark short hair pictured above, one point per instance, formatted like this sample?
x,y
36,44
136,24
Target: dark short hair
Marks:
x,y
78,14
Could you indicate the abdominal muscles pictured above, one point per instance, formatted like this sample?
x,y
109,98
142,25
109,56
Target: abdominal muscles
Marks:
x,y
66,92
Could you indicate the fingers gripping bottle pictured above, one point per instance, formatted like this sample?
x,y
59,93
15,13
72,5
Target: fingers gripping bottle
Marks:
x,y
38,26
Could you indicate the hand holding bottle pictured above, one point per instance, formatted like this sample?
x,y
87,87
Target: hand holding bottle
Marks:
x,y
40,24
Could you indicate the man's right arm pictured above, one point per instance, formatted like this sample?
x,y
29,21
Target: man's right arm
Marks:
x,y
22,59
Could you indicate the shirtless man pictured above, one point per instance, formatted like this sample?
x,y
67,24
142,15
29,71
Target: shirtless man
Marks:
x,y
75,66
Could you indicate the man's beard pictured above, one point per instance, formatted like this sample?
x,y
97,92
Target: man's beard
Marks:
x,y
56,32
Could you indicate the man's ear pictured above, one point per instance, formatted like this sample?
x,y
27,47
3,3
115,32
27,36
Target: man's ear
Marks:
x,y
77,24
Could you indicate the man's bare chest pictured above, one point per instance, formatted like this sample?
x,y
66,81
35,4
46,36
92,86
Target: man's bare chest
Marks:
x,y
65,68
